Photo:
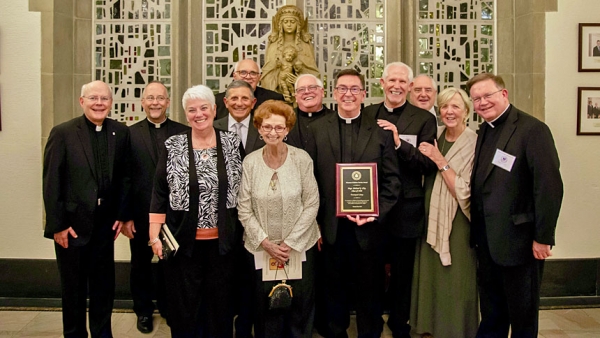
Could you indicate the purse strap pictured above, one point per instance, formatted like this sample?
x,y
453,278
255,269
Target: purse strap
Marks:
x,y
286,275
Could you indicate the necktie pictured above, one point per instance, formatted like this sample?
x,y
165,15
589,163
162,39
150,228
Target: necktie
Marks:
x,y
238,130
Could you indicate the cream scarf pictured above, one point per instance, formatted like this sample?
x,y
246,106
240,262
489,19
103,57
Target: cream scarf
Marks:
x,y
443,205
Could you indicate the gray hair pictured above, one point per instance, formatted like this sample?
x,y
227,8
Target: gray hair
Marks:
x,y
430,78
239,84
447,94
319,82
235,67
157,82
198,92
86,86
398,64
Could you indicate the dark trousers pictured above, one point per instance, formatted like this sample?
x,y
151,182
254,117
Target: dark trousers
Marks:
x,y
142,280
199,291
296,322
509,296
87,268
352,273
245,285
401,256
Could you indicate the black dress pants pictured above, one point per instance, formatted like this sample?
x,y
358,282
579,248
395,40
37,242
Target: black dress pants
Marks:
x,y
401,256
509,296
352,274
90,267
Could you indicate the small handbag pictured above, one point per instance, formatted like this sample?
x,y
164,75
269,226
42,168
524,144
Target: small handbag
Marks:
x,y
280,297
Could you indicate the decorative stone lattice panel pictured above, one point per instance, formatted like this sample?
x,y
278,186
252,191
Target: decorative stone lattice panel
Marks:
x,y
455,41
349,34
132,47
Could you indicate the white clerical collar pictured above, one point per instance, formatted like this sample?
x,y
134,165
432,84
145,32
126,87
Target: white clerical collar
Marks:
x,y
348,119
491,123
158,125
391,110
231,121
98,128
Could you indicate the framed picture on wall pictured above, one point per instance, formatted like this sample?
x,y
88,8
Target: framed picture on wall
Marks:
x,y
588,111
589,47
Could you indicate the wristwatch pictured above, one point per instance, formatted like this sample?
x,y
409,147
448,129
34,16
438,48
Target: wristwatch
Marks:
x,y
446,167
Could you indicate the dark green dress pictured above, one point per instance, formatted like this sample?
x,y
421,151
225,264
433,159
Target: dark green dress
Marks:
x,y
444,298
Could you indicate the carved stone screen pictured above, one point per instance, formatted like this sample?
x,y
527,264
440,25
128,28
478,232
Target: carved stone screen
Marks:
x,y
455,41
234,32
349,34
132,47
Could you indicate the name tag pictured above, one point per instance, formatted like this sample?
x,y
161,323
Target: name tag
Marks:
x,y
503,160
412,139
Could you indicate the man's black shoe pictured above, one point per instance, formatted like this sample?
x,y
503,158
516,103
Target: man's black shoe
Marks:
x,y
144,324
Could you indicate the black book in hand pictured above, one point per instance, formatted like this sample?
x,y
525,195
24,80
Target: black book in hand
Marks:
x,y
169,243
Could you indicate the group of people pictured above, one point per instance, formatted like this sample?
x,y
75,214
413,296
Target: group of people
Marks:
x,y
248,190
593,111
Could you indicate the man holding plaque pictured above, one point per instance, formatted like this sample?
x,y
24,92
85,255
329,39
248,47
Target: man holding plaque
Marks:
x,y
351,249
409,125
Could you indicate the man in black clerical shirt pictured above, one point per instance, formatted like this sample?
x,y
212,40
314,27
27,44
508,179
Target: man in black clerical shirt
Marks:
x,y
85,187
309,96
147,136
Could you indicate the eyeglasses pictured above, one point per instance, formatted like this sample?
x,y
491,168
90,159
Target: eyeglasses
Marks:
x,y
477,100
344,90
419,90
268,128
308,89
157,98
96,98
245,73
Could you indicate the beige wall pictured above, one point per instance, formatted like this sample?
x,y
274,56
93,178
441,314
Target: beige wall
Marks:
x,y
22,135
578,232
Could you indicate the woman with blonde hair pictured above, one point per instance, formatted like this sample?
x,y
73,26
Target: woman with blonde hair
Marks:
x,y
444,293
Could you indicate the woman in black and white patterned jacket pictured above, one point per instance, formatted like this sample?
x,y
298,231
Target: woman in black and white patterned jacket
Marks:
x,y
197,201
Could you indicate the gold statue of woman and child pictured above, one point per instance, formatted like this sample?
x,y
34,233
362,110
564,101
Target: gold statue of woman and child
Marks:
x,y
290,52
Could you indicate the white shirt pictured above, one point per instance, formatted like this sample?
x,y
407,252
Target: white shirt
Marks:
x,y
245,125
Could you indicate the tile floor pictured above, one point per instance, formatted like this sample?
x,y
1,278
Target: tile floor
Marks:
x,y
572,323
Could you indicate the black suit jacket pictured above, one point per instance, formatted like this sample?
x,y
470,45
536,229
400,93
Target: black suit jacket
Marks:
x,y
142,167
596,51
374,145
261,95
297,137
408,215
522,205
69,178
252,141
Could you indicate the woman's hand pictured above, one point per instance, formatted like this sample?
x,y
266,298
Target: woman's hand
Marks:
x,y
153,233
433,153
281,252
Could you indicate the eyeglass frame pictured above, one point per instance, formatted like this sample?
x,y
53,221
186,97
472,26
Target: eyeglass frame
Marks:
x,y
159,98
94,98
486,97
252,74
354,90
269,128
308,89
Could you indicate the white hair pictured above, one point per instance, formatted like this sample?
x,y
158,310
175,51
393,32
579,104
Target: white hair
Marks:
x,y
397,64
199,92
319,82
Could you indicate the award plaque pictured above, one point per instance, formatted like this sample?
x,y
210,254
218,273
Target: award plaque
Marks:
x,y
356,185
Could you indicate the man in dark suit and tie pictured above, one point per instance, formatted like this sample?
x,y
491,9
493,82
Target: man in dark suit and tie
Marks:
x,y
247,70
516,194
409,126
596,51
309,96
239,102
147,136
85,186
423,94
352,245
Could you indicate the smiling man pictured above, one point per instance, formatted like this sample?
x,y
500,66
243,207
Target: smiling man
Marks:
x,y
309,96
85,185
247,70
147,136
409,125
351,245
423,93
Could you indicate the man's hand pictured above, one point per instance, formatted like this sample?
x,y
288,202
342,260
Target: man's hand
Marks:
x,y
387,125
360,221
128,229
117,228
541,251
62,237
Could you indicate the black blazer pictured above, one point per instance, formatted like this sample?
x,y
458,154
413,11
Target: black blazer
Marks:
x,y
69,178
297,137
522,205
408,215
253,142
143,166
261,95
596,51
374,145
